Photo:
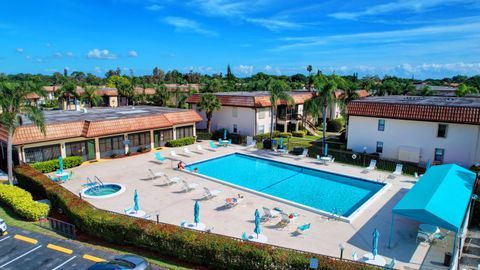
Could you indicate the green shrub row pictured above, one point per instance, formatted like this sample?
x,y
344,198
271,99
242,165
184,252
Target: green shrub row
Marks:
x,y
275,133
53,165
299,133
210,250
180,142
335,125
22,203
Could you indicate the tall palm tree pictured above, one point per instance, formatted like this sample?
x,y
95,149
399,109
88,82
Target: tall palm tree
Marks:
x,y
209,103
67,91
162,95
14,104
278,92
90,94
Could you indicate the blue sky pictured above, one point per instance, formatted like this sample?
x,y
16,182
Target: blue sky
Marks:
x,y
424,38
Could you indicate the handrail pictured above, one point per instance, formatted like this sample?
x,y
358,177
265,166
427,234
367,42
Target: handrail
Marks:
x,y
98,180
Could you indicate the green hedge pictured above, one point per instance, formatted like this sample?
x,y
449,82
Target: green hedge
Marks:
x,y
180,142
210,250
53,165
275,133
299,133
22,203
335,125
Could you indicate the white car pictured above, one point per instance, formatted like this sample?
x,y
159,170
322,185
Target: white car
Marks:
x,y
3,227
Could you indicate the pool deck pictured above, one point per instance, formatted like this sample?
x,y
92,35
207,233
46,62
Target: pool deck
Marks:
x,y
325,233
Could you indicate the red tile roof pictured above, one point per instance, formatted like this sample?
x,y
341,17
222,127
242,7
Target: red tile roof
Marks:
x,y
451,111
89,129
251,99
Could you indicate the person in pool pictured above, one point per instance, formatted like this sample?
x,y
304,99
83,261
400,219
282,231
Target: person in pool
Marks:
x,y
181,165
195,170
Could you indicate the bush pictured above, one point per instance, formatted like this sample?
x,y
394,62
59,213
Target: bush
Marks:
x,y
335,125
299,133
210,250
53,165
236,138
22,203
276,134
180,142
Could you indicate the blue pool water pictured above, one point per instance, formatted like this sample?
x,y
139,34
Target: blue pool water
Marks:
x,y
321,190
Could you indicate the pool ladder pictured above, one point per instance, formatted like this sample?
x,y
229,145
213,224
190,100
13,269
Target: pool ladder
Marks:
x,y
95,185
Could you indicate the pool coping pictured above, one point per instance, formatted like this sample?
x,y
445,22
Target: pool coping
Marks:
x,y
122,190
348,219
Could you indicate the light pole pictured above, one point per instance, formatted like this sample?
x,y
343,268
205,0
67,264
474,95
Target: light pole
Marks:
x,y
342,248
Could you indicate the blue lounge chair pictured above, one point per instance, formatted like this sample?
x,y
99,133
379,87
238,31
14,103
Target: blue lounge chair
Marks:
x,y
229,142
390,265
301,229
244,236
212,145
53,178
159,157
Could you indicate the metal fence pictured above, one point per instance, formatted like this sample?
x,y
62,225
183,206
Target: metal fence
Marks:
x,y
59,226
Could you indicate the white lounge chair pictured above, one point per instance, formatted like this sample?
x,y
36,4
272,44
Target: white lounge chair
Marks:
x,y
154,175
269,214
200,148
304,154
286,220
371,167
171,180
188,186
251,143
187,151
210,193
332,160
174,154
397,172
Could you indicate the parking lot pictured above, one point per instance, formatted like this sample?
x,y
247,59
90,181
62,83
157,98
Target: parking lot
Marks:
x,y
21,249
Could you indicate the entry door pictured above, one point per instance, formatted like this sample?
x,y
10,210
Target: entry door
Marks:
x,y
91,149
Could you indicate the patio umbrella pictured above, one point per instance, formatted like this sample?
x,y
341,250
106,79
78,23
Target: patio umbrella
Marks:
x,y
281,142
257,223
375,234
196,213
224,133
136,207
325,150
60,161
428,165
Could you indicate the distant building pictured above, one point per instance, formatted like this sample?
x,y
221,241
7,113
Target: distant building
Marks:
x,y
248,113
437,90
417,129
99,132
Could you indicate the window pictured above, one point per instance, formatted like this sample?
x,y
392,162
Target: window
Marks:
x,y
235,128
183,132
44,153
261,114
139,139
111,145
439,154
234,112
442,130
381,124
261,129
379,147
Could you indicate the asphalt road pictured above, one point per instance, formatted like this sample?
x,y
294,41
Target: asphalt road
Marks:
x,y
21,249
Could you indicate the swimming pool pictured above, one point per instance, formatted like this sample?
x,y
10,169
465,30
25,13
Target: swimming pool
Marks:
x,y
314,189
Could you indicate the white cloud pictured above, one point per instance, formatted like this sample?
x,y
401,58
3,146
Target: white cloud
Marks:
x,y
100,54
154,7
97,70
267,68
38,60
48,45
244,69
414,6
132,53
186,25
19,50
69,54
28,57
58,55
273,24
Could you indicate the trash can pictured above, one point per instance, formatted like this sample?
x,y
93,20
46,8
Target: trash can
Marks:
x,y
267,144
447,259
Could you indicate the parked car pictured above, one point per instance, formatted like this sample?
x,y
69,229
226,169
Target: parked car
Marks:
x,y
3,227
123,262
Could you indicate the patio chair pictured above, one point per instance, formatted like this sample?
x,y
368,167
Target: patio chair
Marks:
x,y
417,176
269,214
209,194
354,256
127,210
371,167
154,175
174,154
187,151
302,228
171,180
397,172
287,219
423,237
212,145
187,187
304,154
229,142
390,265
231,202
331,161
252,144
244,236
159,157
200,148
53,178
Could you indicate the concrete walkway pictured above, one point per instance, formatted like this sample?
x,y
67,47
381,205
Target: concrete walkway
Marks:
x,y
324,237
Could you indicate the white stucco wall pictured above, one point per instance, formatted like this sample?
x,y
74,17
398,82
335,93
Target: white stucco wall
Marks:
x,y
224,118
265,121
462,143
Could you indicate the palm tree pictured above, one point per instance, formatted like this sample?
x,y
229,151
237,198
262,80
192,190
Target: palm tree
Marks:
x,y
90,94
67,91
278,92
209,103
14,104
162,95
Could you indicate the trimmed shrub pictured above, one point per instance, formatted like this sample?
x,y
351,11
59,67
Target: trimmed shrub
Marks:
x,y
180,142
22,203
335,125
53,165
207,249
276,134
299,133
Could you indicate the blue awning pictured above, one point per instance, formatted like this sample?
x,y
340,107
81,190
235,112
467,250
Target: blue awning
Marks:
x,y
441,197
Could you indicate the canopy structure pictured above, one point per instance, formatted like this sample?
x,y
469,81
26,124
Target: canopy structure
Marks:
x,y
441,197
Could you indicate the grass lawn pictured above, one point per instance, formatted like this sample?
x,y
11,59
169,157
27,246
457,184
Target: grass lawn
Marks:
x,y
13,220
